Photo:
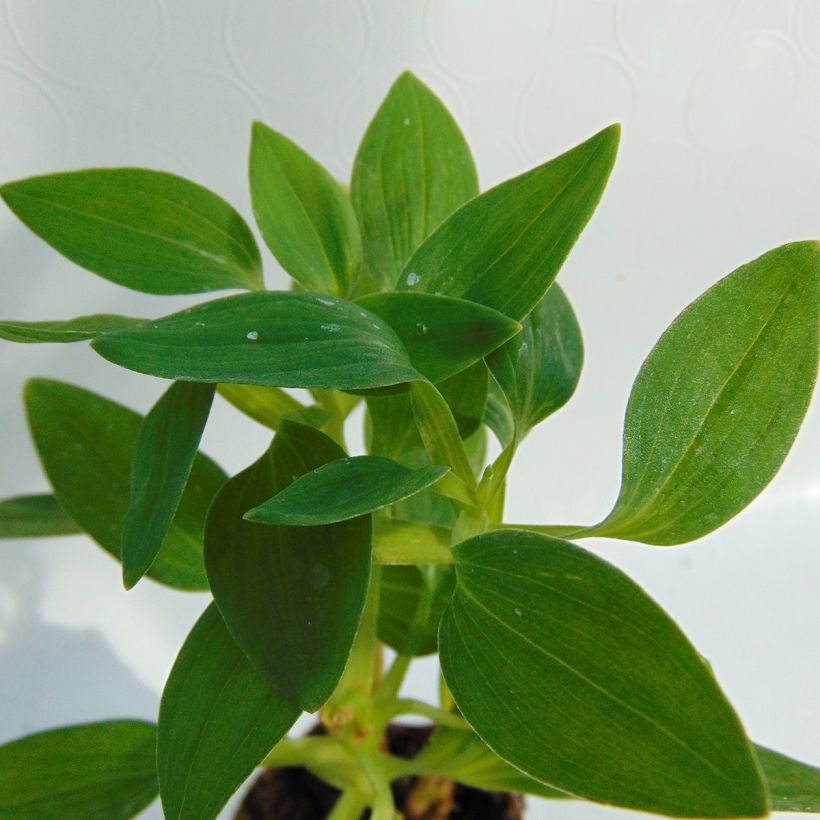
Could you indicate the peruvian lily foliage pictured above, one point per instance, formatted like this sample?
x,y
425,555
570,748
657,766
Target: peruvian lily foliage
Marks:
x,y
434,307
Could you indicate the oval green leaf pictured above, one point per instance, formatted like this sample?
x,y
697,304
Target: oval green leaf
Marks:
x,y
718,402
569,671
35,516
466,395
292,597
93,771
412,170
146,230
538,370
217,720
70,330
344,489
86,444
411,602
793,786
504,248
305,218
164,454
442,335
272,338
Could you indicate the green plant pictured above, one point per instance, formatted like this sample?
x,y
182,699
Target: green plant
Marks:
x,y
435,306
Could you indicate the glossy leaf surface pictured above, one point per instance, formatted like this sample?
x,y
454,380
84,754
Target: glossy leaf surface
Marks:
x,y
466,396
538,370
411,602
719,400
442,335
504,248
461,755
793,786
272,338
70,330
344,489
86,444
305,217
92,771
292,597
146,230
498,415
218,719
35,516
164,454
570,672
412,170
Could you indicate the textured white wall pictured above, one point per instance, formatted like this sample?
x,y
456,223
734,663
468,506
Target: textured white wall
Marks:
x,y
720,160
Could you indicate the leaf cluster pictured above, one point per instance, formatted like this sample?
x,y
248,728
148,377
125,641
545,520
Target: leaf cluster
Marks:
x,y
435,307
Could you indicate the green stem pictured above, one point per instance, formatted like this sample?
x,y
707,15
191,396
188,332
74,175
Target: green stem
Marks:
x,y
348,807
371,761
409,706
390,684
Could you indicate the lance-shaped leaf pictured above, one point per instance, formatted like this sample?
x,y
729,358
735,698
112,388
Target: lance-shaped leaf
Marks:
x,y
412,170
719,400
344,489
86,772
400,542
35,516
217,720
272,338
504,248
793,786
146,230
305,217
569,671
442,335
539,368
87,444
70,330
460,755
411,602
163,457
267,405
466,395
291,597
498,415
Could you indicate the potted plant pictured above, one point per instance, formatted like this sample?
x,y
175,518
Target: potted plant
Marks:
x,y
435,306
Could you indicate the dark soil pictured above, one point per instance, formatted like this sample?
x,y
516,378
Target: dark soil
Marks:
x,y
294,793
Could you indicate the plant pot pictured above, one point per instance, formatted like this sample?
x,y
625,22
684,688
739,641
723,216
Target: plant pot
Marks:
x,y
294,793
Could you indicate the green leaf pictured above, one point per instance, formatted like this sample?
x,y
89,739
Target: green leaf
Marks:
x,y
718,402
94,771
439,432
412,170
442,335
570,672
498,415
35,516
305,217
272,338
292,597
538,370
146,230
267,405
344,489
217,721
87,444
411,602
71,330
400,542
504,248
466,395
163,457
793,786
460,755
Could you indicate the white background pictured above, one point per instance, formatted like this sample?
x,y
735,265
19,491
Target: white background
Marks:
x,y
720,160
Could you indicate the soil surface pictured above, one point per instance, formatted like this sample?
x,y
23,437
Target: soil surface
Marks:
x,y
294,793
